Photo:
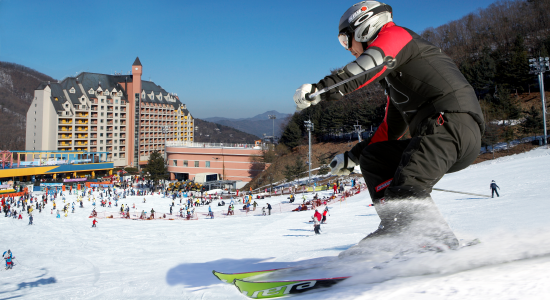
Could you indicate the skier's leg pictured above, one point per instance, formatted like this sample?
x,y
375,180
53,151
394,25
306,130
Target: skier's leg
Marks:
x,y
497,193
406,206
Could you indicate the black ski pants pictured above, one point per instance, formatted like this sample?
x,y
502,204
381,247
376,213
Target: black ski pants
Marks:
x,y
404,169
493,193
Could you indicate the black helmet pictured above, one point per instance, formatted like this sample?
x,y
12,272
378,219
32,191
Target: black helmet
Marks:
x,y
363,21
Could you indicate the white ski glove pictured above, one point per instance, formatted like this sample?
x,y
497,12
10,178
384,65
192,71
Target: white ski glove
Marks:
x,y
342,164
301,97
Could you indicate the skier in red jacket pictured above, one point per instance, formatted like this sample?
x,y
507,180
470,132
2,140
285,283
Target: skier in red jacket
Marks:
x,y
426,93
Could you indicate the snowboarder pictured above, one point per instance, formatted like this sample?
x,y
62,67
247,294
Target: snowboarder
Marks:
x,y
494,188
426,93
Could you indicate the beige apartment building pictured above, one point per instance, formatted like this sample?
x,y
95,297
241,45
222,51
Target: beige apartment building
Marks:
x,y
122,115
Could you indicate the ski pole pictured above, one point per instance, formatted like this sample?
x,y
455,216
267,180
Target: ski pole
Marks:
x,y
449,191
389,62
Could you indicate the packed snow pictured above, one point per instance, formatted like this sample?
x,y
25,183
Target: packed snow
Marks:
x,y
65,258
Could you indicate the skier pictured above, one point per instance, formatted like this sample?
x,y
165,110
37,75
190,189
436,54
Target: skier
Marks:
x,y
30,219
269,209
263,211
325,212
316,225
8,256
494,188
426,93
94,222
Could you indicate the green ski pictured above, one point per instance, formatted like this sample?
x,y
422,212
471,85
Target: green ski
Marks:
x,y
274,289
230,277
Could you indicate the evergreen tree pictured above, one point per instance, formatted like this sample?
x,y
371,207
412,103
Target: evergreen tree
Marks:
x,y
156,167
300,167
292,135
533,121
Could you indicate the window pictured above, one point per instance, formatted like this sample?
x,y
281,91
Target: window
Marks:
x,y
101,134
102,101
72,90
100,127
101,141
116,101
101,121
175,163
35,105
116,134
102,113
116,114
102,107
208,164
116,127
185,163
196,164
115,153
116,148
100,148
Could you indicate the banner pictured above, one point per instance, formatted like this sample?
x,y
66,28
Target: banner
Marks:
x,y
74,179
51,184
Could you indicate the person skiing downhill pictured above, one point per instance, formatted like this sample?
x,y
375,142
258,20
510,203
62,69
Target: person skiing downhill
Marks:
x,y
426,93
494,188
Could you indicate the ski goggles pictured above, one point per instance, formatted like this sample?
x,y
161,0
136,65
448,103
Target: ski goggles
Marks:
x,y
345,39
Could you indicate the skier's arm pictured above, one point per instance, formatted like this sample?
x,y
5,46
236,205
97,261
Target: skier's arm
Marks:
x,y
390,42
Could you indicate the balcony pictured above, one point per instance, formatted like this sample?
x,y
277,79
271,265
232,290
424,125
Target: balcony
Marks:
x,y
81,115
81,122
78,128
122,155
65,121
123,142
79,143
63,128
94,128
82,136
64,144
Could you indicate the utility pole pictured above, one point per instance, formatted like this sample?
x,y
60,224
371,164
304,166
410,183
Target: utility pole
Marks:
x,y
309,127
273,117
539,66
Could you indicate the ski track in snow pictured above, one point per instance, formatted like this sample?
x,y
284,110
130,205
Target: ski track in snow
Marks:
x,y
67,259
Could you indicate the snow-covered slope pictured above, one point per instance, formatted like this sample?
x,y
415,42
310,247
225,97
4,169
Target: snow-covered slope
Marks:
x,y
67,259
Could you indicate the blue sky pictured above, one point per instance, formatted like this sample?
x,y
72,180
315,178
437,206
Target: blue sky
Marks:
x,y
223,58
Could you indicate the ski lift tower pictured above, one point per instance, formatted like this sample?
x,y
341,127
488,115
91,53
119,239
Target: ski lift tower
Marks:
x,y
309,127
539,66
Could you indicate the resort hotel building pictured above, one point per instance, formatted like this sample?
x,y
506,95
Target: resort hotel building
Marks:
x,y
122,116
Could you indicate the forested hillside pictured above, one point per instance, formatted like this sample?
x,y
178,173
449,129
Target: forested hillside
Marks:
x,y
491,47
17,84
208,132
